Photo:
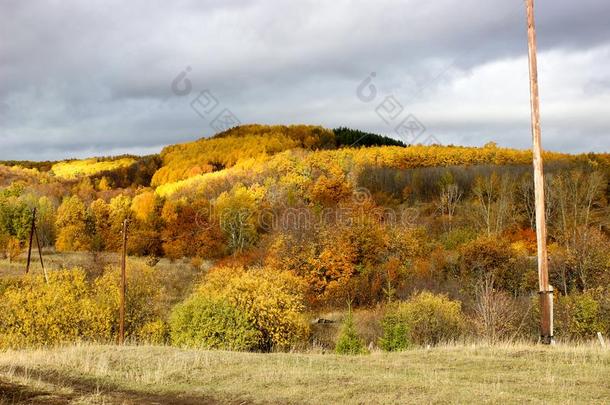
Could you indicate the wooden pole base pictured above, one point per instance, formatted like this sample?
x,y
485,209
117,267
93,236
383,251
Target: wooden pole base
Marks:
x,y
546,317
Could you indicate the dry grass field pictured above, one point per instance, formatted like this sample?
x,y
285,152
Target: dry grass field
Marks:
x,y
453,374
66,260
55,261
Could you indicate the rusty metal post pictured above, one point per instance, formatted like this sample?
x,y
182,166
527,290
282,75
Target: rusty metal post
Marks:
x,y
545,290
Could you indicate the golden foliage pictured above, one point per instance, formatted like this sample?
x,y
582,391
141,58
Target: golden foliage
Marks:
x,y
292,165
36,313
69,308
189,232
225,150
237,214
330,191
144,300
71,223
143,205
88,167
272,301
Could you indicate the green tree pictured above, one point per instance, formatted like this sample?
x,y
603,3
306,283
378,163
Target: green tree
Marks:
x,y
349,342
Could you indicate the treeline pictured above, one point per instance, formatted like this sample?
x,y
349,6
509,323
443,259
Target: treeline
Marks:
x,y
137,174
27,164
352,159
334,228
355,138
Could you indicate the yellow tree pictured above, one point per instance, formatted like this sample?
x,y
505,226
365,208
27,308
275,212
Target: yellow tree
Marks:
x,y
71,223
237,213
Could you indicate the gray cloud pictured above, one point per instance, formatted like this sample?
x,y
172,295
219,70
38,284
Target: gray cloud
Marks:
x,y
79,78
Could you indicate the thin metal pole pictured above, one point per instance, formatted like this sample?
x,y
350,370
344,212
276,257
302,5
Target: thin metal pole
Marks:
x,y
27,266
546,320
123,287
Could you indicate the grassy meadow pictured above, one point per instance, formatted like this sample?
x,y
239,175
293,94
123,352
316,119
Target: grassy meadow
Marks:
x,y
518,373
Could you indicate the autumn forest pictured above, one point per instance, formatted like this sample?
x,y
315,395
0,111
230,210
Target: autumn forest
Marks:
x,y
273,227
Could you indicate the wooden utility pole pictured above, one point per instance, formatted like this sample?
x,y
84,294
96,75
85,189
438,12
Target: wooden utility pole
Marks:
x,y
545,290
44,271
123,287
27,266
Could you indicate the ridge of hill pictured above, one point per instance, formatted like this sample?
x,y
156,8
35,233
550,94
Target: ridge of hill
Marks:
x,y
239,148
224,150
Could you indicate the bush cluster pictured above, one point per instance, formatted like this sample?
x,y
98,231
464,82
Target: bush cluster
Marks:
x,y
208,323
258,309
233,308
581,316
425,318
71,308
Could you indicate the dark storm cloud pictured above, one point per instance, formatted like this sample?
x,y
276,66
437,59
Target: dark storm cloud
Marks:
x,y
94,77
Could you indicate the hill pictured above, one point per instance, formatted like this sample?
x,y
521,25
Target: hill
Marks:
x,y
226,149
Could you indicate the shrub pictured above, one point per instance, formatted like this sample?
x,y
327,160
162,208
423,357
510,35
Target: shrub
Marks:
x,y
349,342
36,313
494,312
143,300
272,301
425,318
208,323
396,333
584,319
581,316
69,308
153,332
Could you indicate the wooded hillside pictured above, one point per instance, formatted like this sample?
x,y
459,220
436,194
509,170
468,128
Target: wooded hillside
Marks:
x,y
370,222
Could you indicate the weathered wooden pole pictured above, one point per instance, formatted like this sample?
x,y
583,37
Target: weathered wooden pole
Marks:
x,y
44,271
545,290
123,287
27,266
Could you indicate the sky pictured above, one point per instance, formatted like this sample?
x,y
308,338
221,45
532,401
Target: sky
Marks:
x,y
82,78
